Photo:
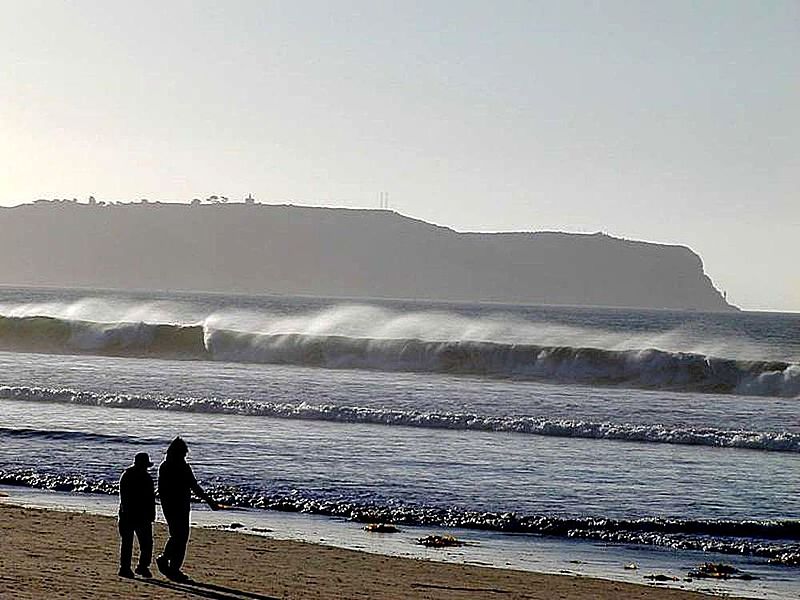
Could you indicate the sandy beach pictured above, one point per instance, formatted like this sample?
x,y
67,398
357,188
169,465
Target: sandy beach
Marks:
x,y
55,554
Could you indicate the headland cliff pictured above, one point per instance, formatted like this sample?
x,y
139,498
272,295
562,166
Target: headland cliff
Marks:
x,y
279,249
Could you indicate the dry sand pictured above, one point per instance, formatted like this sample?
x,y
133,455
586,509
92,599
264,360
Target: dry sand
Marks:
x,y
54,554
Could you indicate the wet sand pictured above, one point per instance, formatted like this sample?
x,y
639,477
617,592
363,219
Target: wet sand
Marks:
x,y
55,554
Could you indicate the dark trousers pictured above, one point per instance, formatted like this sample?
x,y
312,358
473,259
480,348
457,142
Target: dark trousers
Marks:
x,y
175,550
144,533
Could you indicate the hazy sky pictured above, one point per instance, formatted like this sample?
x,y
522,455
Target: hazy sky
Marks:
x,y
666,121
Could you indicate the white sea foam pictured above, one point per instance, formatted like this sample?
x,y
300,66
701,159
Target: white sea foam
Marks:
x,y
650,433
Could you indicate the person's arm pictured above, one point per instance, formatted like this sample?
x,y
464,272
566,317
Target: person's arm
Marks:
x,y
124,495
151,499
201,493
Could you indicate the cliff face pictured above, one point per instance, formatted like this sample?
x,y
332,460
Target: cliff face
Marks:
x,y
336,252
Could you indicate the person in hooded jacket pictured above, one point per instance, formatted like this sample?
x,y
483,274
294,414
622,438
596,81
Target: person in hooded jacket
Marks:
x,y
176,482
137,511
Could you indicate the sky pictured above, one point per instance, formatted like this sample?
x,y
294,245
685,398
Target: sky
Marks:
x,y
673,122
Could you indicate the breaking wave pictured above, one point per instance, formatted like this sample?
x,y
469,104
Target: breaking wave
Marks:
x,y
652,433
67,336
776,540
646,368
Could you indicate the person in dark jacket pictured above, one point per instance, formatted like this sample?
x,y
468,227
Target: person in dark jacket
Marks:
x,y
137,511
176,482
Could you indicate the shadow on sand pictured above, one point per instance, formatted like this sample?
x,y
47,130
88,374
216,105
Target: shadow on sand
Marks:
x,y
207,590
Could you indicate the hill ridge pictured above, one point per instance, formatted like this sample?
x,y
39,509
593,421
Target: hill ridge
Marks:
x,y
324,251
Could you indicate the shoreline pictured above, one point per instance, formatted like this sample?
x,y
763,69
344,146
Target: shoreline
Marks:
x,y
55,553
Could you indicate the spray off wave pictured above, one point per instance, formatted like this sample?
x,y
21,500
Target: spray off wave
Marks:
x,y
212,340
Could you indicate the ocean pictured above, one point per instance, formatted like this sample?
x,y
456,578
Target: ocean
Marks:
x,y
644,434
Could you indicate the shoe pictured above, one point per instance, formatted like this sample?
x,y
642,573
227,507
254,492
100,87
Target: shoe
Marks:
x,y
144,572
178,577
126,572
163,565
